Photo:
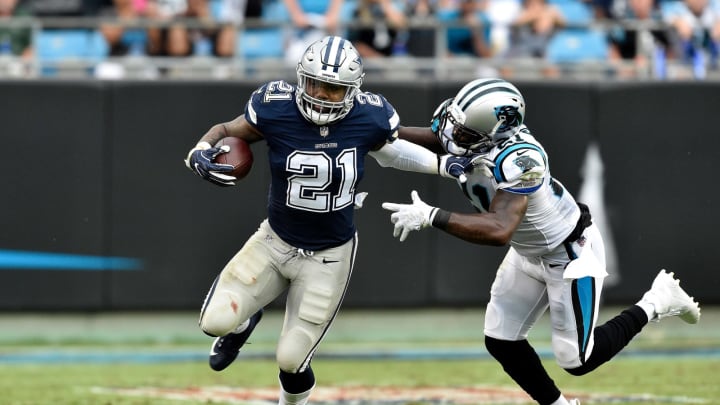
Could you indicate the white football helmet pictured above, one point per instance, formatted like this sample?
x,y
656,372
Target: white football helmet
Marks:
x,y
330,62
482,114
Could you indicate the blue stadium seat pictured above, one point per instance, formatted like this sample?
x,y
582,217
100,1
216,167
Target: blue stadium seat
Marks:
x,y
71,44
261,43
576,13
275,11
577,45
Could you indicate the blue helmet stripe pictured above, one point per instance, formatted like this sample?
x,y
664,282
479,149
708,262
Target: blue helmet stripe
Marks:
x,y
335,65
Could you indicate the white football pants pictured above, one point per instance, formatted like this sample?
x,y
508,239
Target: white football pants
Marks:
x,y
525,287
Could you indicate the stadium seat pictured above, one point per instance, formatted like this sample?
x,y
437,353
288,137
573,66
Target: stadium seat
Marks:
x,y
71,45
576,13
577,45
275,11
261,43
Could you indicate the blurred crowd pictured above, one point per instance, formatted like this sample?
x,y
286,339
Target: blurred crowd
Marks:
x,y
631,37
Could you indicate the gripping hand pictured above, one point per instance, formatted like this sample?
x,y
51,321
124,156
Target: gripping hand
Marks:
x,y
201,160
410,217
455,167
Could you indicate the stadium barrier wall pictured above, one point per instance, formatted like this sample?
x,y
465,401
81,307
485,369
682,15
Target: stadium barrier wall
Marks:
x,y
100,213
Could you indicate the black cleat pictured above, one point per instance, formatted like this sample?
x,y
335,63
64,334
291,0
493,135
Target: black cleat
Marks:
x,y
225,349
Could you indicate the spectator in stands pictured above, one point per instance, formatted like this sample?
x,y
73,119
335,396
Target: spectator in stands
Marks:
x,y
500,15
190,28
116,27
697,25
421,40
381,32
469,36
533,28
645,48
16,41
312,20
233,13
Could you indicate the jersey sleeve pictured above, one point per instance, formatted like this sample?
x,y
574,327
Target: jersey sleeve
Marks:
x,y
269,104
253,104
521,168
393,119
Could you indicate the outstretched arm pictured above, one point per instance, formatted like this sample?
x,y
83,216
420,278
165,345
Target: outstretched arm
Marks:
x,y
422,136
494,228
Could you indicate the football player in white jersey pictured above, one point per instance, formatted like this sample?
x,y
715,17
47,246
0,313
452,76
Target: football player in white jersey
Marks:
x,y
556,258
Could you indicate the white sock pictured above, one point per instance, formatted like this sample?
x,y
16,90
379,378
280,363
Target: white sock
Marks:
x,y
561,401
242,327
287,398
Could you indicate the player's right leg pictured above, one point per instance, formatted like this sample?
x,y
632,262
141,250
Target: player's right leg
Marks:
x,y
233,307
517,299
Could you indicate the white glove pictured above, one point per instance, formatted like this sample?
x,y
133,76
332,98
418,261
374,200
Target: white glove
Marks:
x,y
410,217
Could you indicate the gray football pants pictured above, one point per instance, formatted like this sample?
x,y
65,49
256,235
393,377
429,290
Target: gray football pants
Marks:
x,y
262,270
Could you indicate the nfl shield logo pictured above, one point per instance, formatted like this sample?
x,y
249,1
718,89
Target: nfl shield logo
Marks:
x,y
324,131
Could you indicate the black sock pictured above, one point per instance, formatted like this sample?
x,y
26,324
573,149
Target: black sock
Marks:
x,y
613,336
297,383
521,362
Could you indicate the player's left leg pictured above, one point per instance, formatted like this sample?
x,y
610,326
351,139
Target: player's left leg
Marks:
x,y
579,346
317,288
665,298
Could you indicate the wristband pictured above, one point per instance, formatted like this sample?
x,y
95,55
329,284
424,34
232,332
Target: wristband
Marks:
x,y
441,219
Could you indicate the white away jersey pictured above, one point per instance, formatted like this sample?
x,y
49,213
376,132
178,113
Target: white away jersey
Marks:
x,y
520,165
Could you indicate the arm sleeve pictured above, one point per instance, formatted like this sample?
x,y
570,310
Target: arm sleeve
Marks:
x,y
407,156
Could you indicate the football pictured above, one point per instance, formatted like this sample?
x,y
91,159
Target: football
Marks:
x,y
240,156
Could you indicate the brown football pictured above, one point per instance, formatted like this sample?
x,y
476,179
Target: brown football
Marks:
x,y
240,156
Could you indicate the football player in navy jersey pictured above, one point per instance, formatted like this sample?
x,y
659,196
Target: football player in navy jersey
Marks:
x,y
318,133
556,258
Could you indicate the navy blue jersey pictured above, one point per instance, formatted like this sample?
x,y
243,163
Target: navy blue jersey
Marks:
x,y
316,169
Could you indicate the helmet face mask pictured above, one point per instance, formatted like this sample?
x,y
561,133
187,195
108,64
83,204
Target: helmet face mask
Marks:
x,y
483,113
329,74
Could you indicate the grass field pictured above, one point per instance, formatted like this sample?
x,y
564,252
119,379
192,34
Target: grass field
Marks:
x,y
378,357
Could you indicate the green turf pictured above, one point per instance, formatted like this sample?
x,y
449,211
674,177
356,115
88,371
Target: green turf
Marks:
x,y
74,384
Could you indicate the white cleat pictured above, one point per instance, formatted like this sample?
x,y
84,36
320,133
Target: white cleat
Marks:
x,y
574,402
669,299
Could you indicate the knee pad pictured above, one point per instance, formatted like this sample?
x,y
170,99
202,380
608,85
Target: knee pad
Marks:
x,y
222,314
566,351
295,350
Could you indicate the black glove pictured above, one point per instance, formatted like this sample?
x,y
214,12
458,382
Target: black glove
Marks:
x,y
455,167
201,160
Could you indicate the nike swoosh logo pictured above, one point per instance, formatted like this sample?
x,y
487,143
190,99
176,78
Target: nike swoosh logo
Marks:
x,y
326,261
522,152
555,266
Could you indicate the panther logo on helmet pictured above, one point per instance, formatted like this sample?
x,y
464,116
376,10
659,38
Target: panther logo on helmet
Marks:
x,y
481,115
